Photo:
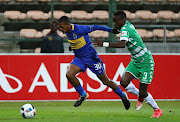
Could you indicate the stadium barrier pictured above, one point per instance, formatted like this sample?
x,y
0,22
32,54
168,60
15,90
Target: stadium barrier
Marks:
x,y
43,77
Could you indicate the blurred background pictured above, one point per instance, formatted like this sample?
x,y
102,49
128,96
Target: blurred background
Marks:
x,y
24,23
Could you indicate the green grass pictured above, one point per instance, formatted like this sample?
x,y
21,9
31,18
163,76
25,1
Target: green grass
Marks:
x,y
90,111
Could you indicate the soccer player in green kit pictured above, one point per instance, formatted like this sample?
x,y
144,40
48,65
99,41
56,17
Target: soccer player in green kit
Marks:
x,y
141,65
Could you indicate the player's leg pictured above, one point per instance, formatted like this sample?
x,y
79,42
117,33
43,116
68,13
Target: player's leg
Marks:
x,y
105,80
127,84
96,66
130,73
75,67
126,78
145,79
149,100
71,75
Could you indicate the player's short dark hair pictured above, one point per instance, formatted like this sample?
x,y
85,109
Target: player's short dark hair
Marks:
x,y
54,22
120,13
64,19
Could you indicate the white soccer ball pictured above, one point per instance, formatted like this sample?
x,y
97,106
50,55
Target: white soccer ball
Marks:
x,y
28,111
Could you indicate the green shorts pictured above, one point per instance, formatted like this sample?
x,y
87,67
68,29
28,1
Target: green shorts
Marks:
x,y
142,70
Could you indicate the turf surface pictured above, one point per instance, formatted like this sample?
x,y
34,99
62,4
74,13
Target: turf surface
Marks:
x,y
90,111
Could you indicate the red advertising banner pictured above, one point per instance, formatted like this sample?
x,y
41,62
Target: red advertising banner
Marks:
x,y
43,77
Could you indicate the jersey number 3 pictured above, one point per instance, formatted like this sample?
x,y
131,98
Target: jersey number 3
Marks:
x,y
98,66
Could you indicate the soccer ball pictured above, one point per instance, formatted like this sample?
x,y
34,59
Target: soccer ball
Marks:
x,y
28,111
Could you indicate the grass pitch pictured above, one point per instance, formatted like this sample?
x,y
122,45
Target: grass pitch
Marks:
x,y
90,111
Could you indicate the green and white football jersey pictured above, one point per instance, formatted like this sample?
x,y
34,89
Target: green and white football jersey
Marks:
x,y
134,43
142,63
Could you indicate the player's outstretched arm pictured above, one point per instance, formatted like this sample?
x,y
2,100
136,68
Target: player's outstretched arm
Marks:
x,y
100,43
83,29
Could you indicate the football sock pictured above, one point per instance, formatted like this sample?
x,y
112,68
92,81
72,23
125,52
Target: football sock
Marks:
x,y
132,89
119,92
81,91
149,100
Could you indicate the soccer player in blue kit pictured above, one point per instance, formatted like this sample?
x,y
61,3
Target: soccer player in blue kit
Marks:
x,y
86,57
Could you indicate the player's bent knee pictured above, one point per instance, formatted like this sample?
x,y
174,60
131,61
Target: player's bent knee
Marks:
x,y
69,75
143,94
123,83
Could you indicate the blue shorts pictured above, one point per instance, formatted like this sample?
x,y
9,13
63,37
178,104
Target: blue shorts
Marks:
x,y
92,61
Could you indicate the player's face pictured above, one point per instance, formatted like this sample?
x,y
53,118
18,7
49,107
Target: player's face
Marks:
x,y
118,22
65,27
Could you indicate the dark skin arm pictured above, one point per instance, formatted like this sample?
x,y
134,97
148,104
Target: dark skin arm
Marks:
x,y
120,44
115,31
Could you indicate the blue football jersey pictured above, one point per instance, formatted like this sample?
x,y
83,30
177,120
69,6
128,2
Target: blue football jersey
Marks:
x,y
79,39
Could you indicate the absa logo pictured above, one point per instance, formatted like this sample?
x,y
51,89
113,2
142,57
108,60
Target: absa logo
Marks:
x,y
5,84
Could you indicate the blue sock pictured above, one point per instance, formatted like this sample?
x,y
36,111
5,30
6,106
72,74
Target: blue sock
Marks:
x,y
120,93
80,90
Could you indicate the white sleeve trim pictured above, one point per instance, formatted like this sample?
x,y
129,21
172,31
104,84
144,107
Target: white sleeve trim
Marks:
x,y
123,38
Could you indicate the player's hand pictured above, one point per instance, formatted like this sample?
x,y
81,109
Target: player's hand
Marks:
x,y
115,31
98,42
70,49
